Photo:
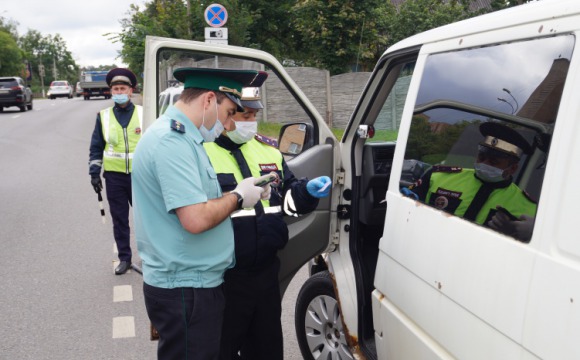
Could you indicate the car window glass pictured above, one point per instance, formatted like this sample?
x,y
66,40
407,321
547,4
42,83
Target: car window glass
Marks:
x,y
280,107
518,85
8,83
389,118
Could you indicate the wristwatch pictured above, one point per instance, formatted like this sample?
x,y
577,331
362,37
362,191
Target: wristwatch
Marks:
x,y
240,199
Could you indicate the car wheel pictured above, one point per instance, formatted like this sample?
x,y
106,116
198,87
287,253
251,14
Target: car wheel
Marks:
x,y
22,108
29,106
1,109
318,322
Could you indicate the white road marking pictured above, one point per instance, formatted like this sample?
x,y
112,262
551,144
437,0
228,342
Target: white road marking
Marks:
x,y
115,250
123,327
122,293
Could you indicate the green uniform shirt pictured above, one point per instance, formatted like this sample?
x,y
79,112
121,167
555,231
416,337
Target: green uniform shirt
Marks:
x,y
171,170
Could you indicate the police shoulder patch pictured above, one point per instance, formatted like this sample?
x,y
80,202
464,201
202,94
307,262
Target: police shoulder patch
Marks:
x,y
266,140
447,169
177,126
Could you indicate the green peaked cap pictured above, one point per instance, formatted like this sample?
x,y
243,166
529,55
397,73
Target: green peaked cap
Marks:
x,y
228,81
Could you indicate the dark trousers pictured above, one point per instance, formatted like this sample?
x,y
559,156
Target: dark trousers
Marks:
x,y
188,320
118,188
252,324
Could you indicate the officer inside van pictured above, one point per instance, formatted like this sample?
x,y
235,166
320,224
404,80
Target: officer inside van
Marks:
x,y
480,193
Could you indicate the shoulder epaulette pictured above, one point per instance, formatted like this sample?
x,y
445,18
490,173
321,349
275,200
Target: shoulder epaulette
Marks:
x,y
447,169
177,126
266,140
529,197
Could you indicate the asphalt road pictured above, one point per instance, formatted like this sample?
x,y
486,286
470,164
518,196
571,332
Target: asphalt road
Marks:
x,y
60,298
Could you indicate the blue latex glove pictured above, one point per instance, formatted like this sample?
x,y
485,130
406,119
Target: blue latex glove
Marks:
x,y
319,187
405,191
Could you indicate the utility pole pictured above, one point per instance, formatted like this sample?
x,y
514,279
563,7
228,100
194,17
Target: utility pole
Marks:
x,y
54,70
41,73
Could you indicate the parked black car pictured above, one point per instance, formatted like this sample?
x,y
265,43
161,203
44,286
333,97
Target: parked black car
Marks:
x,y
14,92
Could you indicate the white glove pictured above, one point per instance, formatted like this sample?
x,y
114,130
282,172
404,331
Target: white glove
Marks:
x,y
249,192
267,192
520,229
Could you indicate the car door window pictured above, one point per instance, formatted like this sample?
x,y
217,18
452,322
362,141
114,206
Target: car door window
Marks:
x,y
280,106
518,85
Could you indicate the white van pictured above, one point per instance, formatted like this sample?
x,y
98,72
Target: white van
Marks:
x,y
398,278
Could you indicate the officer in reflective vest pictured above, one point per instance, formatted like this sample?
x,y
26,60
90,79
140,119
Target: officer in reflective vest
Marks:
x,y
252,323
116,133
478,194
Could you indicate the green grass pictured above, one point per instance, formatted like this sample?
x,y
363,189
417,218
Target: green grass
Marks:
x,y
273,130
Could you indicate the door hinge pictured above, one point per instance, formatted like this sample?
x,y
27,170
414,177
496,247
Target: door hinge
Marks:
x,y
334,241
340,178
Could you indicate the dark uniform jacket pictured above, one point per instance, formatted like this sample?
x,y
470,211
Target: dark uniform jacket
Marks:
x,y
259,237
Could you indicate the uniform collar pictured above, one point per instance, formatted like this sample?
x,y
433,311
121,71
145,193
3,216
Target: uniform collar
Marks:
x,y
127,108
227,143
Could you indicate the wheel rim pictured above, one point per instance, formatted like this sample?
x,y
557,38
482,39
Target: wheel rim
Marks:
x,y
323,329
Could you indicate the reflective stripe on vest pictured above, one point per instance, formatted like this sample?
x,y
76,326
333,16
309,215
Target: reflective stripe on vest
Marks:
x,y
252,212
120,143
255,154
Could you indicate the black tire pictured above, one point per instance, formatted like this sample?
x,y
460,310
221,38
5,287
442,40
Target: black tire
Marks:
x,y
29,106
318,321
1,109
22,108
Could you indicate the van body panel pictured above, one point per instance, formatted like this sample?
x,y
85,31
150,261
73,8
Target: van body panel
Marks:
x,y
442,275
449,288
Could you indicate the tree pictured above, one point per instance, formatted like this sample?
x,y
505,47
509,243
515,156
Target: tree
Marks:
x,y
52,53
10,56
339,34
10,26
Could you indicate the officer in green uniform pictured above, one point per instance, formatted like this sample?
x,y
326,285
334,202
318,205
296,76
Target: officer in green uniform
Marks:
x,y
182,225
478,194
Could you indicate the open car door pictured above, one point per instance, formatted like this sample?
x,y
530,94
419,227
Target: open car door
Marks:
x,y
313,150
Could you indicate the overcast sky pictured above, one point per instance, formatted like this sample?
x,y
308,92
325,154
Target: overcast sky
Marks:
x,y
80,23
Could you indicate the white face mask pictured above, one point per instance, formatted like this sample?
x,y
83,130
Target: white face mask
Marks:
x,y
210,135
244,132
488,173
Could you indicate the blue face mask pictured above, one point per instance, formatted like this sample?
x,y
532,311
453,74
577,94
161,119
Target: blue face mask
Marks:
x,y
488,173
210,135
120,98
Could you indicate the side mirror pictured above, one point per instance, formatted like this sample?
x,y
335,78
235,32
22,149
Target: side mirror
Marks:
x,y
295,138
